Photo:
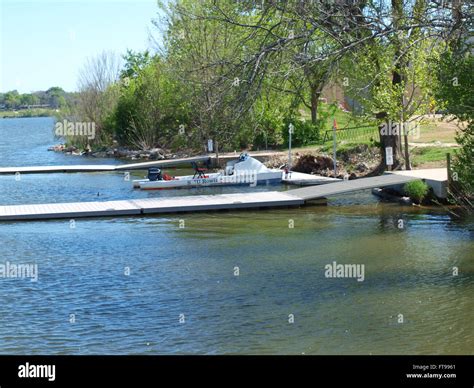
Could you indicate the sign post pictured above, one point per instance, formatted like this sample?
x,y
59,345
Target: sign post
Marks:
x,y
210,145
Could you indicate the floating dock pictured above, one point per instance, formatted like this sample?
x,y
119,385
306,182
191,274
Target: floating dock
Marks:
x,y
102,167
149,206
195,203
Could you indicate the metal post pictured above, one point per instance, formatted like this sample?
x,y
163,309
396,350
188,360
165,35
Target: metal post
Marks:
x,y
334,146
448,167
290,132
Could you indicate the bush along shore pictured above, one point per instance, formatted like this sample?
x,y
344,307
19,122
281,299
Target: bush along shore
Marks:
x,y
120,152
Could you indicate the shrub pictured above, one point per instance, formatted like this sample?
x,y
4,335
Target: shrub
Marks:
x,y
305,132
416,190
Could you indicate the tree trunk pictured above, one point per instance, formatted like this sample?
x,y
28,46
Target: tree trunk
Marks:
x,y
315,93
398,76
388,139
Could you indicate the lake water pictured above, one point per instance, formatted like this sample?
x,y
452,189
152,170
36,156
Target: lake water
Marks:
x,y
143,285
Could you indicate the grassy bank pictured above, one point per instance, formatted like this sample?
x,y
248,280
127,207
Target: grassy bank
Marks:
x,y
39,112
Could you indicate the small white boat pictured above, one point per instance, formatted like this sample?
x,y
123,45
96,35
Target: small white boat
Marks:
x,y
244,171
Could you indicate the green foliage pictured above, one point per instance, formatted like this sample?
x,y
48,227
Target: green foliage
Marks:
x,y
268,132
229,71
456,76
463,162
135,62
456,82
305,132
54,98
428,154
416,190
150,110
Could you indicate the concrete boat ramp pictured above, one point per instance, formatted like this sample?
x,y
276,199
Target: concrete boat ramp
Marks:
x,y
195,203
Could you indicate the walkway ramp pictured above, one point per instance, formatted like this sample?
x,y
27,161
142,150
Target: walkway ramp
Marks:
x,y
331,189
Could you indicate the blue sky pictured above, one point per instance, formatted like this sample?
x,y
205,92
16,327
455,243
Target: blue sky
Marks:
x,y
45,43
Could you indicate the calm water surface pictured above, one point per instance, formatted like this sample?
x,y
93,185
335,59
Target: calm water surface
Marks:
x,y
189,272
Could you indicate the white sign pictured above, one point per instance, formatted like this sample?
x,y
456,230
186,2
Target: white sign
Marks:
x,y
389,155
210,145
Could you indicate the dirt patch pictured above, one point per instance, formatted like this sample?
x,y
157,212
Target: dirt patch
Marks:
x,y
353,163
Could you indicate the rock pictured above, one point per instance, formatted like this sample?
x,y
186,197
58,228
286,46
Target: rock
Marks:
x,y
57,148
124,153
362,167
156,156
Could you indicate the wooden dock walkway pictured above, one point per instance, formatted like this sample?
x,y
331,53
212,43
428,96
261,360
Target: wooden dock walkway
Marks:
x,y
195,203
148,206
126,167
101,167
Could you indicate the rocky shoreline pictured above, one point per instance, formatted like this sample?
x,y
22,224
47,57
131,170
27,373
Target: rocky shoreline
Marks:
x,y
351,164
120,153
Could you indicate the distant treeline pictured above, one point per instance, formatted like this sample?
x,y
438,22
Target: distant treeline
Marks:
x,y
54,98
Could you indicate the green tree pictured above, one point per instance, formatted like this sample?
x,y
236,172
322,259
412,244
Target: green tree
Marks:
x,y
135,62
456,83
150,110
12,99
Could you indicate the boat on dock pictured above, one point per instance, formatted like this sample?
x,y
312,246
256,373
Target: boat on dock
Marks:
x,y
243,171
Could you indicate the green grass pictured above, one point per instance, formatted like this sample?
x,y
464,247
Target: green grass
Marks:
x,y
431,132
343,120
39,112
423,155
343,146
